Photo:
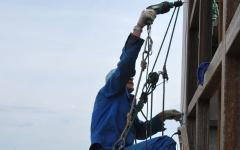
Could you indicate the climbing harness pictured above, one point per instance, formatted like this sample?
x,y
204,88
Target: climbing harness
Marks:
x,y
152,77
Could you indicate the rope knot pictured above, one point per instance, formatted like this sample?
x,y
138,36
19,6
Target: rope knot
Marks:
x,y
144,97
143,65
164,73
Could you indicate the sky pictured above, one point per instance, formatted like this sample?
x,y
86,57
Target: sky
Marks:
x,y
54,55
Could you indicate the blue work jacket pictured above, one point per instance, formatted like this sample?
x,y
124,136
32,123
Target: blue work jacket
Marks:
x,y
113,101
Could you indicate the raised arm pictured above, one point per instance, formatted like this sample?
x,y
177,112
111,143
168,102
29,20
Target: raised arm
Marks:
x,y
126,65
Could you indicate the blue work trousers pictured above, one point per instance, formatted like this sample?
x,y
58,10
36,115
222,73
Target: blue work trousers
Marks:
x,y
158,143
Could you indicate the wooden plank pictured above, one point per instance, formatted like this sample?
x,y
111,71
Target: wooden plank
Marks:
x,y
230,104
194,20
214,107
233,31
191,130
184,61
202,125
220,21
194,100
183,138
214,117
205,31
222,113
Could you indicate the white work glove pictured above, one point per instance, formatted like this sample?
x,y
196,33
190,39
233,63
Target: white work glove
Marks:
x,y
147,17
172,114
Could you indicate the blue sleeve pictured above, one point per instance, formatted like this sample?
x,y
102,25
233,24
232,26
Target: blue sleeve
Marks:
x,y
141,127
125,67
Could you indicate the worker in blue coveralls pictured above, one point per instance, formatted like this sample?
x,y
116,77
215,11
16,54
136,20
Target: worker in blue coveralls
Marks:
x,y
113,101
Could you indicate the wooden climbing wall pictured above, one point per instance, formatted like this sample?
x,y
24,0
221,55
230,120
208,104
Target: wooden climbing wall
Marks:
x,y
212,110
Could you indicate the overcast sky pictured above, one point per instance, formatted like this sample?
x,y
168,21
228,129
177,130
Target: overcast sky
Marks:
x,y
54,55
